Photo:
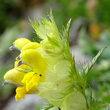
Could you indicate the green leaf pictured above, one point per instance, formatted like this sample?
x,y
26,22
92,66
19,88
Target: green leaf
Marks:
x,y
97,105
80,81
85,70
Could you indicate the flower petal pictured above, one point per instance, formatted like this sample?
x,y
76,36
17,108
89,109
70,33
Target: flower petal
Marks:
x,y
34,59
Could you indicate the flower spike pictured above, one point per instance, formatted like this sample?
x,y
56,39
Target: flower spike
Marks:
x,y
48,68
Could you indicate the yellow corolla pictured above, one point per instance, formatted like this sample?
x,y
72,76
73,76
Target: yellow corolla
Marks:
x,y
29,68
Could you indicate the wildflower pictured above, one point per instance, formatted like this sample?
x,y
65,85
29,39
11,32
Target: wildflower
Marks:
x,y
48,68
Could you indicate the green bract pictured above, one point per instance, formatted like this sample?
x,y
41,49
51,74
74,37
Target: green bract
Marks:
x,y
64,87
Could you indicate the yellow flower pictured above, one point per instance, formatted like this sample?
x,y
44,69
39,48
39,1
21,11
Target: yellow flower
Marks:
x,y
29,68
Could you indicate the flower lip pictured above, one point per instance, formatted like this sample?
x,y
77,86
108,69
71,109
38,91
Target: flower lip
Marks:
x,y
12,47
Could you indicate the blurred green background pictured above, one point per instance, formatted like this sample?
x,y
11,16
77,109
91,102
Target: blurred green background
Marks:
x,y
89,32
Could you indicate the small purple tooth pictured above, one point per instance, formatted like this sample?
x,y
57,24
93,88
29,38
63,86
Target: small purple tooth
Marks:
x,y
18,57
19,63
5,82
12,47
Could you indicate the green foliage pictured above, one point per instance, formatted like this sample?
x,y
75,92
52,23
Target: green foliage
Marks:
x,y
3,89
90,47
77,99
98,77
7,38
82,75
47,30
74,9
98,11
86,69
102,13
45,26
65,38
86,45
97,105
81,82
8,14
